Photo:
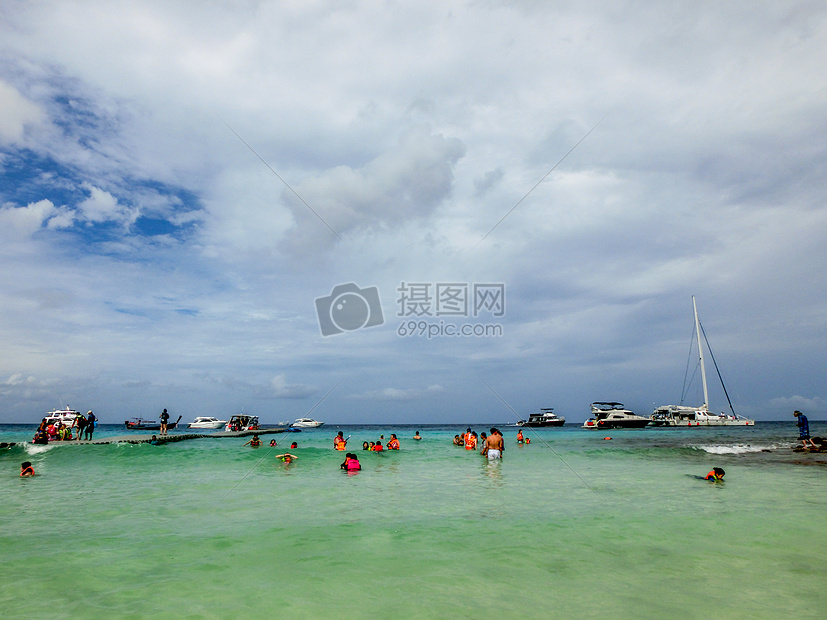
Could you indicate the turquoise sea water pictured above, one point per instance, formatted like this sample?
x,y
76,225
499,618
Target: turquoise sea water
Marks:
x,y
571,526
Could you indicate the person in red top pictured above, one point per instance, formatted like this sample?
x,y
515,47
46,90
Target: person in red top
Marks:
x,y
378,447
393,443
26,469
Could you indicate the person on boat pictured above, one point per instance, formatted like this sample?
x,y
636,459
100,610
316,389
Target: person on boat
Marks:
x,y
90,425
803,429
255,442
164,419
51,431
351,462
339,442
287,457
26,469
393,442
417,436
495,445
716,475
520,436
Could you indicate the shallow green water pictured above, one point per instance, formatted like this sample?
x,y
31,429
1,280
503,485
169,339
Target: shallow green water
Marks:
x,y
571,526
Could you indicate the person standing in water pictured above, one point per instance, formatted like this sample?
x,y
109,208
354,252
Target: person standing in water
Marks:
x,y
494,443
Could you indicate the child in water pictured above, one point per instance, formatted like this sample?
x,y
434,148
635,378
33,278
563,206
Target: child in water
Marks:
x,y
351,463
26,469
716,475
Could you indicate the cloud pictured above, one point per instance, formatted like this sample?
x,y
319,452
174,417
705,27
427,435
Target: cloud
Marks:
x,y
16,112
406,183
396,394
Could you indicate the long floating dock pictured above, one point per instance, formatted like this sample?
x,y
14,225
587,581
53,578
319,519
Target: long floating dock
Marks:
x,y
147,438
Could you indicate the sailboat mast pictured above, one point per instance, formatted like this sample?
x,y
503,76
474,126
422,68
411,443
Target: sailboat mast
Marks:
x,y
700,353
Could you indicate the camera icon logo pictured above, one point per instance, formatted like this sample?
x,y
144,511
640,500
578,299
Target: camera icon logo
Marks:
x,y
349,308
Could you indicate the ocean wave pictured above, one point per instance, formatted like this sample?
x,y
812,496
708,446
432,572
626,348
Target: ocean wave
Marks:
x,y
32,448
737,448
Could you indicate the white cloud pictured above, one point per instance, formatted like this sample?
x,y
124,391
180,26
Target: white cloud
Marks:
x,y
15,113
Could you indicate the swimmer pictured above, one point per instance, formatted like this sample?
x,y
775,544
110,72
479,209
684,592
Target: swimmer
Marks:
x,y
26,469
365,445
272,443
520,436
293,445
287,457
378,447
255,442
716,475
339,442
351,463
528,440
495,445
417,436
393,442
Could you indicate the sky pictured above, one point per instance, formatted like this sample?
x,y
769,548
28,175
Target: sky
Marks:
x,y
291,208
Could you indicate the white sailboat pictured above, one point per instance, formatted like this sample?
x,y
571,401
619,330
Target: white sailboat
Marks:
x,y
685,416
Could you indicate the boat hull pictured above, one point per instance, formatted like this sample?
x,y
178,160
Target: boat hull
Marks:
x,y
559,422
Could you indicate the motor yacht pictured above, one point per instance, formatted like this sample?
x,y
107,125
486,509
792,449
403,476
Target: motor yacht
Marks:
x,y
607,415
306,423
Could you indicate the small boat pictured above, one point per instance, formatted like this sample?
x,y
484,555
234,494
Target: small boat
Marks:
x,y
67,416
242,422
546,417
306,423
141,424
607,415
686,416
206,422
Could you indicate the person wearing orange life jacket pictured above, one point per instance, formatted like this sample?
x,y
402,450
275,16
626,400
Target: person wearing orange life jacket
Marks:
x,y
717,474
339,442
471,441
520,436
393,442
26,469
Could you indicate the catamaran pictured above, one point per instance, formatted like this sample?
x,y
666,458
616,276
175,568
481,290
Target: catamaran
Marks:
x,y
686,416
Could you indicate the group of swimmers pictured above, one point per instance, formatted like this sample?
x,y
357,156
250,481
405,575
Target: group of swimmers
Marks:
x,y
376,446
493,445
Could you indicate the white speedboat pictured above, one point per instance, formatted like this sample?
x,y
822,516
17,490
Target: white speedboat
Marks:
x,y
306,423
206,422
67,416
606,415
546,417
686,416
